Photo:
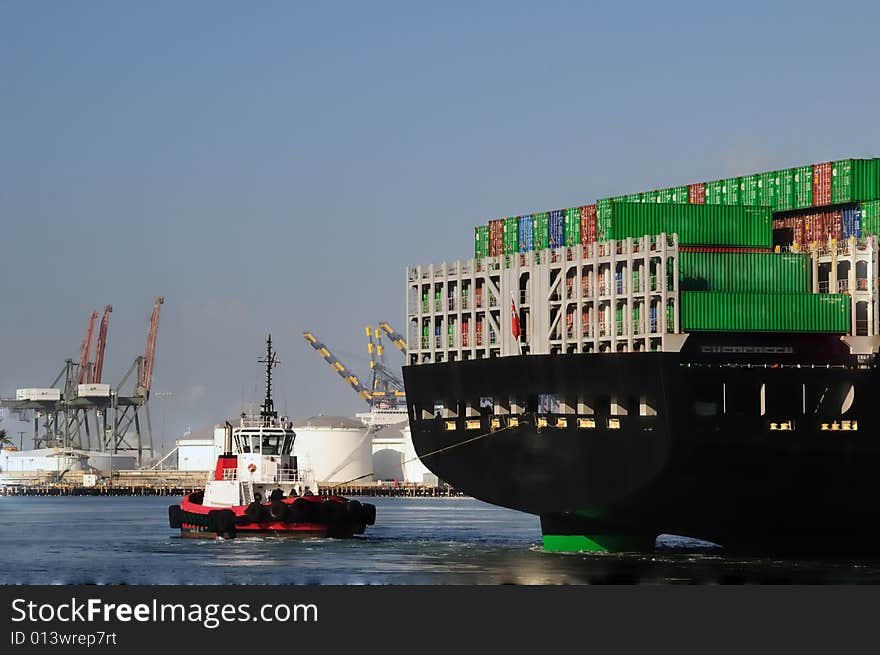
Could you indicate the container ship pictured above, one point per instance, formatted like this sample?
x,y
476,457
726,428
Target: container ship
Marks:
x,y
697,361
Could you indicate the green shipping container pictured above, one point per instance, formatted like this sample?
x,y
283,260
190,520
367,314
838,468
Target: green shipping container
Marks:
x,y
510,242
713,192
855,179
871,218
694,224
541,230
730,189
572,227
785,189
603,219
481,242
767,188
753,272
651,196
803,187
673,196
758,312
633,197
750,196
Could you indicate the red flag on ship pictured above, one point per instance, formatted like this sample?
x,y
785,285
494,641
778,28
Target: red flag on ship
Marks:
x,y
514,319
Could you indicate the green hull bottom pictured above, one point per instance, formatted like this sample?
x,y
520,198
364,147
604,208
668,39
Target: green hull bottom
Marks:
x,y
604,543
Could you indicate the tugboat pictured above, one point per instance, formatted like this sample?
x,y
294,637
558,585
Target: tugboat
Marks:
x,y
257,487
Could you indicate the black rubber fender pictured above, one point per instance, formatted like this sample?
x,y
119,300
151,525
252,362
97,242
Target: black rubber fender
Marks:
x,y
255,512
354,511
175,516
277,510
222,522
298,511
369,513
332,511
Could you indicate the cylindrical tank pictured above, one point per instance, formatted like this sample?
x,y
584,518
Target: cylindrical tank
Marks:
x,y
335,448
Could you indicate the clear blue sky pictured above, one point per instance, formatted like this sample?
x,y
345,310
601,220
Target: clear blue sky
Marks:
x,y
276,165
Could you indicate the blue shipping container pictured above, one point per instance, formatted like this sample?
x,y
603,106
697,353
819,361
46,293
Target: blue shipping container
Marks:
x,y
526,230
556,228
852,223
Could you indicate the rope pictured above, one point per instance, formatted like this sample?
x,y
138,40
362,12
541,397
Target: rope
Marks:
x,y
433,452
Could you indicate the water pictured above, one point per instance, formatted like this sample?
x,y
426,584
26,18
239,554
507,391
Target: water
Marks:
x,y
120,540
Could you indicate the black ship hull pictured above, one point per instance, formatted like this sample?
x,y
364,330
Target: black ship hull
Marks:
x,y
766,443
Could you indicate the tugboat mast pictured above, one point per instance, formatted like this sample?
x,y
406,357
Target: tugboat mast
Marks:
x,y
267,409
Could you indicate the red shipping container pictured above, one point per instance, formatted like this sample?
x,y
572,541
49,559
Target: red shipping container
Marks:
x,y
822,184
814,224
796,225
464,334
697,193
778,223
496,237
588,224
585,321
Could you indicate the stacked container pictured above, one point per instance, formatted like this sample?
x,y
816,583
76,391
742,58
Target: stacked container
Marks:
x,y
694,224
697,194
510,243
540,230
496,237
756,312
855,179
556,228
526,231
588,224
744,272
572,226
803,187
481,241
822,184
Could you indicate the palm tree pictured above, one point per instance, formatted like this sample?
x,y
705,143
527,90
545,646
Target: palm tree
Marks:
x,y
4,441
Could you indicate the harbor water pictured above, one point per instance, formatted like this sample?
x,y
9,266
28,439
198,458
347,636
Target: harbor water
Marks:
x,y
126,540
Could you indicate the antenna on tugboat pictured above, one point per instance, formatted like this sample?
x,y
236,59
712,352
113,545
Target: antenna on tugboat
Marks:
x,y
267,411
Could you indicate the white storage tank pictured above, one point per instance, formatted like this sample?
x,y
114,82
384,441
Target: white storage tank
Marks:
x,y
196,455
335,448
413,468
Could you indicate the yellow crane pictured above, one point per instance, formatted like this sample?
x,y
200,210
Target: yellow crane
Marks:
x,y
386,389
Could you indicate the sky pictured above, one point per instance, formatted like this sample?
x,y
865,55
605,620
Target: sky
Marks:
x,y
275,166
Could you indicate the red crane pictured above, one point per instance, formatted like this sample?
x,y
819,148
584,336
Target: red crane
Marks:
x,y
86,349
150,352
102,344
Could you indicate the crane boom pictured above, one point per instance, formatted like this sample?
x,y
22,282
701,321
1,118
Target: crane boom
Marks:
x,y
337,366
396,338
150,351
101,345
86,349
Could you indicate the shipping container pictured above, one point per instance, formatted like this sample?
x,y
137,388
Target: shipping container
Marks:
x,y
750,196
713,192
744,272
767,188
526,230
603,219
785,189
588,224
540,231
511,235
759,312
822,184
870,218
855,179
649,196
803,187
556,229
851,219
481,242
697,194
496,237
730,191
572,226
694,224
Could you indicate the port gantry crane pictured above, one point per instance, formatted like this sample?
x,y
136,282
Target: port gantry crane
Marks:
x,y
65,422
386,389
